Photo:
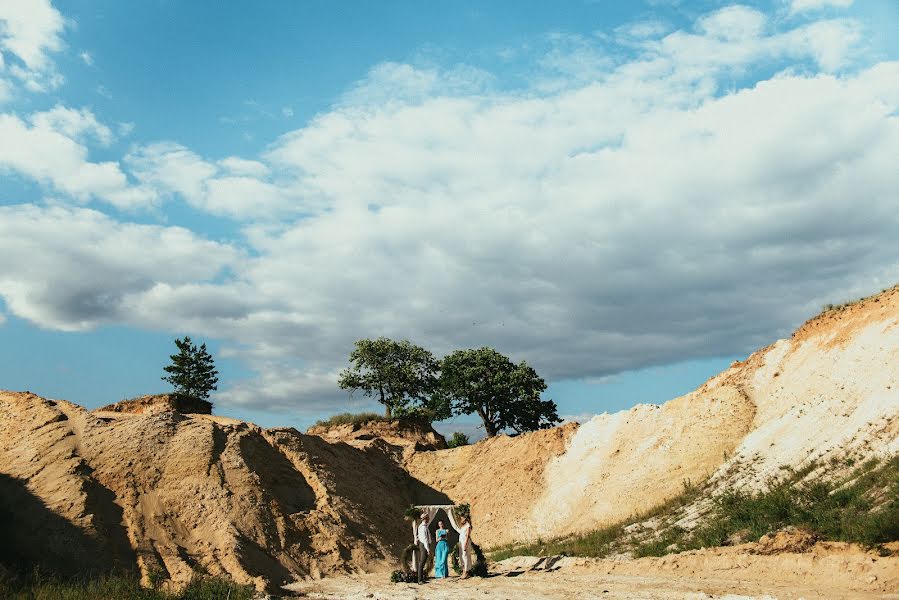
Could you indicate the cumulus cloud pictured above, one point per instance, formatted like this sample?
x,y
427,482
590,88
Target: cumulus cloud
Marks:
x,y
47,151
241,166
29,33
72,123
74,268
798,6
234,187
620,216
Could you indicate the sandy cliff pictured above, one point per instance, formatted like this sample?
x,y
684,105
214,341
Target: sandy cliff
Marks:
x,y
171,493
831,390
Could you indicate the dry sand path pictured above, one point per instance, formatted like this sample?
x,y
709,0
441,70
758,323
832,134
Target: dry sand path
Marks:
x,y
720,573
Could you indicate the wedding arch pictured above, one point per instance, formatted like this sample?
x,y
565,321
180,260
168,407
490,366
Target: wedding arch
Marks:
x,y
453,513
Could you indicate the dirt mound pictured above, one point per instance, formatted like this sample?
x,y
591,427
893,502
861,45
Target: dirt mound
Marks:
x,y
501,478
407,436
827,396
157,403
172,493
786,540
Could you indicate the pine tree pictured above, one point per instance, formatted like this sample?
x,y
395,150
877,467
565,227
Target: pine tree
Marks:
x,y
192,372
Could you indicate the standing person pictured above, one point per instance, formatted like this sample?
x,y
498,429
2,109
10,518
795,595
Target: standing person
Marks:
x,y
441,552
424,547
465,546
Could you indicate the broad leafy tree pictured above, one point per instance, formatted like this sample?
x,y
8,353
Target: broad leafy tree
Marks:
x,y
399,375
503,394
192,372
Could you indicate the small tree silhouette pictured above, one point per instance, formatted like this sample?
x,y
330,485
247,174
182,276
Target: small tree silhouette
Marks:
x,y
192,372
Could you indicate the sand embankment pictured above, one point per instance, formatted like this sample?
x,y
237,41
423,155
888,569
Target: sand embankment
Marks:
x,y
172,493
827,394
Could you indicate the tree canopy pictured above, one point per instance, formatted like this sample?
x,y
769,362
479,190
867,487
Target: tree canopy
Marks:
x,y
399,375
503,394
192,372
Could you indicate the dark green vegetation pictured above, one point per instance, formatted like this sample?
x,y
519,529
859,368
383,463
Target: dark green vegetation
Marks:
x,y
39,587
861,507
399,375
410,382
458,439
351,419
192,372
503,394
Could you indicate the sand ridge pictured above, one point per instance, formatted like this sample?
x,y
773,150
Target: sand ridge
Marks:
x,y
172,493
828,395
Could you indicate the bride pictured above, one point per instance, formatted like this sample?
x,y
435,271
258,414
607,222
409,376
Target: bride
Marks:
x,y
465,546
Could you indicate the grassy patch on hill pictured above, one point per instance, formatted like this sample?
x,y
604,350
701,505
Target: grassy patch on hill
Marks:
x,y
844,305
117,587
351,419
600,542
862,507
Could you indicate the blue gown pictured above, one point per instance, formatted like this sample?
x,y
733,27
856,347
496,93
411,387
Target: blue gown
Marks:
x,y
440,555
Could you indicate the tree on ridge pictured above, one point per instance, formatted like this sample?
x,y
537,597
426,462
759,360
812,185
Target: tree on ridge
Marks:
x,y
503,394
399,375
192,372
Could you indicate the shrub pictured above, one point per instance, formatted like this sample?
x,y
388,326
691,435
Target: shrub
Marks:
x,y
351,419
120,587
458,439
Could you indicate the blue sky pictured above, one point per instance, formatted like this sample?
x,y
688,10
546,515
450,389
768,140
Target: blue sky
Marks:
x,y
627,195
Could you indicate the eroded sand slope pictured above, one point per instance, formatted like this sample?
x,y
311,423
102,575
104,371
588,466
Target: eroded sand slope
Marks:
x,y
831,390
171,493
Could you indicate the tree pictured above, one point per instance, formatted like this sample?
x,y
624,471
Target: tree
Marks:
x,y
458,439
399,375
192,372
503,394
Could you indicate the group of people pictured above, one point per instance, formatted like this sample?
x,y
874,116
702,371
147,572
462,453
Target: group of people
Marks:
x,y
441,550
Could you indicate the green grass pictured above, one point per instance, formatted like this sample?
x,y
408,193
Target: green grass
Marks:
x,y
117,587
844,305
862,507
351,419
598,543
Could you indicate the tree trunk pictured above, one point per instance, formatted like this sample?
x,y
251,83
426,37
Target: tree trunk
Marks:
x,y
488,424
387,411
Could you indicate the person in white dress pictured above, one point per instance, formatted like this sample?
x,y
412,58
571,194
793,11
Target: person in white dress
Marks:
x,y
465,547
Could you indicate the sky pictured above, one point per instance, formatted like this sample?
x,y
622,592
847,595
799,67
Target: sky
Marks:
x,y
628,195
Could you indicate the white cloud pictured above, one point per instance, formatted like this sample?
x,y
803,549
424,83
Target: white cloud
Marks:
x,y
86,57
45,152
171,167
798,6
618,215
241,166
241,193
125,129
74,268
733,23
72,123
29,32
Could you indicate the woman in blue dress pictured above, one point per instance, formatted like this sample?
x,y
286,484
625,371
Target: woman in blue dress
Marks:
x,y
441,552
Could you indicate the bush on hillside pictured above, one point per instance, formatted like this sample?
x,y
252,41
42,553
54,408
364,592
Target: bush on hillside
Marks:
x,y
352,419
120,587
458,439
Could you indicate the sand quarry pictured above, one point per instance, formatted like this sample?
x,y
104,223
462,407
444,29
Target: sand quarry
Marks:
x,y
168,493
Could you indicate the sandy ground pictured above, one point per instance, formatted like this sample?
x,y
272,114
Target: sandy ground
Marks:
x,y
726,574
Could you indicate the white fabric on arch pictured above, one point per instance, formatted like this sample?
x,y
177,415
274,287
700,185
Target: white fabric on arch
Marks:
x,y
449,509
